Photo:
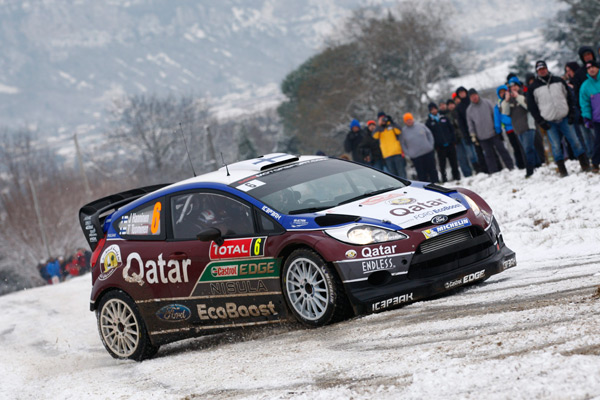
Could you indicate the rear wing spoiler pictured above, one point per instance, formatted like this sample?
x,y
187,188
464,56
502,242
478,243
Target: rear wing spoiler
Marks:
x,y
93,215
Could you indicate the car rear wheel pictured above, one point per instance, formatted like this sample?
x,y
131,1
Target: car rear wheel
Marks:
x,y
121,328
313,291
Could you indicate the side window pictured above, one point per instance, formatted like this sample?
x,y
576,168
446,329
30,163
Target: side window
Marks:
x,y
145,222
193,212
268,226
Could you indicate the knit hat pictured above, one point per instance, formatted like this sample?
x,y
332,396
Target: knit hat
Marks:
x,y
472,91
460,88
407,116
431,105
453,95
354,123
449,101
371,122
380,114
592,63
540,64
514,81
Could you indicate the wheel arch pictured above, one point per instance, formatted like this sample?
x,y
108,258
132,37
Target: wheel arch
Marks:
x,y
287,251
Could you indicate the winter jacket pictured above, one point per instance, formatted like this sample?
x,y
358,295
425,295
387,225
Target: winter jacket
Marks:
x,y
589,98
480,118
549,99
53,268
461,109
453,118
516,108
442,131
370,147
501,120
388,140
352,144
417,140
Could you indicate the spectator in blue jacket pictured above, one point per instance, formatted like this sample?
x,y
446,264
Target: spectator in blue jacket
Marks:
x,y
504,121
53,270
589,100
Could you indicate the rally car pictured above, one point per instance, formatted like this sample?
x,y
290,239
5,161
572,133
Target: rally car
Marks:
x,y
278,237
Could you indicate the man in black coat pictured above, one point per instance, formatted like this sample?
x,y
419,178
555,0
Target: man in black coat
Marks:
x,y
443,135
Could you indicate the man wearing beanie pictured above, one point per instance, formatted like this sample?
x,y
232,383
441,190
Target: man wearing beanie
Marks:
x,y
443,134
551,105
418,144
480,118
371,146
353,142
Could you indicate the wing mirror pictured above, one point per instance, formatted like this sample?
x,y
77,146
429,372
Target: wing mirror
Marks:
x,y
211,234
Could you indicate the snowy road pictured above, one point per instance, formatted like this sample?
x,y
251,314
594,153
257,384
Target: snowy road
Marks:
x,y
530,332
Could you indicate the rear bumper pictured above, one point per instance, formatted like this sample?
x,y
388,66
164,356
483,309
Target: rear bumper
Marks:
x,y
368,298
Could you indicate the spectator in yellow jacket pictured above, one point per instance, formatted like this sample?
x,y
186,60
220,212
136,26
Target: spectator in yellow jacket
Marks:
x,y
387,134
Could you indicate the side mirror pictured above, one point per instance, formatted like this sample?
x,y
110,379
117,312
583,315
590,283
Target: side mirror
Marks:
x,y
211,234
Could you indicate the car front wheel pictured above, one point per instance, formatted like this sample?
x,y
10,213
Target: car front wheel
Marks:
x,y
121,328
312,290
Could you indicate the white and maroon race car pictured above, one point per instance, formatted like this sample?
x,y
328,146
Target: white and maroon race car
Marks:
x,y
261,240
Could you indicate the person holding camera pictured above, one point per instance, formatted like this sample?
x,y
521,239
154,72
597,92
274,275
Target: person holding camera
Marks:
x,y
515,106
388,134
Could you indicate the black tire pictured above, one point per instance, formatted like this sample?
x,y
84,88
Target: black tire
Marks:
x,y
122,329
312,290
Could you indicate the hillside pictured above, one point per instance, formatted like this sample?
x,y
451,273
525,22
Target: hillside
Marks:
x,y
63,62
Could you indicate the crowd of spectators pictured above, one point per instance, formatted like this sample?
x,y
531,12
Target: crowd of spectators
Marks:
x,y
469,133
59,269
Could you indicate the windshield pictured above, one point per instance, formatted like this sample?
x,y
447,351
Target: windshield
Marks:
x,y
320,184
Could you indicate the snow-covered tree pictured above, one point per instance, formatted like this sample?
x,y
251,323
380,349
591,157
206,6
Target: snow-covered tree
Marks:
x,y
578,25
380,61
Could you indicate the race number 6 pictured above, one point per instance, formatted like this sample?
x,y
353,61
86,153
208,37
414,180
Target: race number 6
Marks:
x,y
155,218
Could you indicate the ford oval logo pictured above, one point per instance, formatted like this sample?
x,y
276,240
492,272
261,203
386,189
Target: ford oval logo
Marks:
x,y
174,313
439,219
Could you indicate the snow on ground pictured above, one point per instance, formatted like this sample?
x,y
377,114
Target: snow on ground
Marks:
x,y
532,332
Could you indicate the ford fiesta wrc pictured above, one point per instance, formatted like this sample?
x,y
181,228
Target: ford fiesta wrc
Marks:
x,y
276,238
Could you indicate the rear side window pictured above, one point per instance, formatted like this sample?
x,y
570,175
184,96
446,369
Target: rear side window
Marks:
x,y
194,212
144,222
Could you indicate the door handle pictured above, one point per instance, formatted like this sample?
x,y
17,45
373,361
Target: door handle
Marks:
x,y
178,255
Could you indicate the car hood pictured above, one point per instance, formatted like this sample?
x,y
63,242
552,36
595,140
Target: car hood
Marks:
x,y
406,207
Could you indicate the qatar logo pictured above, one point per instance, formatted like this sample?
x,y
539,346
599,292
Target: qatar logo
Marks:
x,y
439,219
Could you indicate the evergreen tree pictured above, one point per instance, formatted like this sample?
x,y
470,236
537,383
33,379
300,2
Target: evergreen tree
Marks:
x,y
384,63
577,26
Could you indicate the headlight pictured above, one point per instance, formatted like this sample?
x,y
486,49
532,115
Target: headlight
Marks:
x,y
364,234
473,205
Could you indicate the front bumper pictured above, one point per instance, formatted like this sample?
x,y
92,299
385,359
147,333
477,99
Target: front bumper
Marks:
x,y
368,298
